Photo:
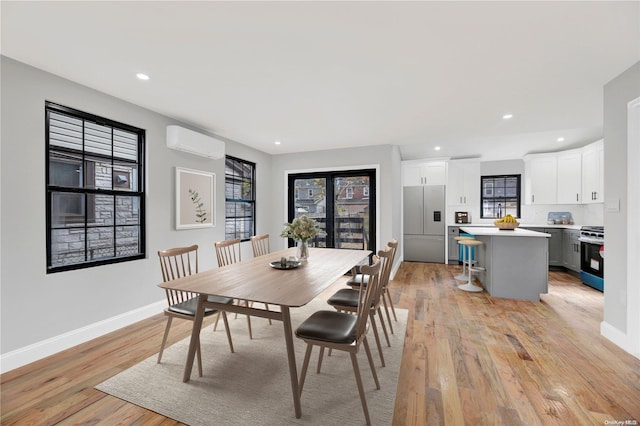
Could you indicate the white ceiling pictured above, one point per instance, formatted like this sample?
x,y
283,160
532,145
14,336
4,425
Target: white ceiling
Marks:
x,y
320,75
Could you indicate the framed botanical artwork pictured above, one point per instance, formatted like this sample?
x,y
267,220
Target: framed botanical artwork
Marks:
x,y
195,199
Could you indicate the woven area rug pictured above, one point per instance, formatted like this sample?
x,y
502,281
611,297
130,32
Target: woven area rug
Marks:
x,y
252,385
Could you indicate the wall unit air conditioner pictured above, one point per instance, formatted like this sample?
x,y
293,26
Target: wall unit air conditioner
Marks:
x,y
195,143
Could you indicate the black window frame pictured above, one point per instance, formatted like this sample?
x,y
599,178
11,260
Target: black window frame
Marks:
x,y
89,193
235,180
501,199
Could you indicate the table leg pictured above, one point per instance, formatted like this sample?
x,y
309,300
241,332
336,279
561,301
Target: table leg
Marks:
x,y
291,355
195,337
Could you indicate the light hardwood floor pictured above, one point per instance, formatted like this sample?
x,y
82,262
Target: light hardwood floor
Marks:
x,y
468,359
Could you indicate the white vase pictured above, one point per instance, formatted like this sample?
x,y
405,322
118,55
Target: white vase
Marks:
x,y
303,250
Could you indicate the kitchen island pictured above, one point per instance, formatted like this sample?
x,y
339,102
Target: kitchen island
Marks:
x,y
515,262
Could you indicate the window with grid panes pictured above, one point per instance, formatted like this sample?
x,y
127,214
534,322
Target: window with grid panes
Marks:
x,y
500,195
95,196
239,187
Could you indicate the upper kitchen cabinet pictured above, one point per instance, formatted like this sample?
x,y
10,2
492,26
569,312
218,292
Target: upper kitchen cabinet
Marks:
x,y
570,176
424,173
463,183
540,179
593,173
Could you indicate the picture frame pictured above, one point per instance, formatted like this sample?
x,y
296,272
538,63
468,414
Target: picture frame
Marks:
x,y
195,199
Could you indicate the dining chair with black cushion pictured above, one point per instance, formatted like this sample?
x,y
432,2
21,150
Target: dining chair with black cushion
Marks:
x,y
387,302
227,253
346,299
344,332
177,263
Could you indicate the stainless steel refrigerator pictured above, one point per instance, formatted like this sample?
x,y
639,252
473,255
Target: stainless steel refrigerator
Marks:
x,y
424,230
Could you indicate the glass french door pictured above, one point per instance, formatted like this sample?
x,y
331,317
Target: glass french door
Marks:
x,y
343,202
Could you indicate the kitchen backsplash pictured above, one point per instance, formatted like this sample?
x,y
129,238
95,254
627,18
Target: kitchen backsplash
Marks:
x,y
586,214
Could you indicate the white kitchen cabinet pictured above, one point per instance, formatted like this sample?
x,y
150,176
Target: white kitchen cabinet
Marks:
x,y
463,183
593,173
540,179
569,177
424,173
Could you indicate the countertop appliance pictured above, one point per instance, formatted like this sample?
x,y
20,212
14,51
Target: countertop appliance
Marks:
x,y
424,230
462,217
592,256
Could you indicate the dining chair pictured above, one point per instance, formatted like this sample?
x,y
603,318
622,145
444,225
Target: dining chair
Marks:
x,y
387,302
347,299
177,263
344,332
260,245
227,253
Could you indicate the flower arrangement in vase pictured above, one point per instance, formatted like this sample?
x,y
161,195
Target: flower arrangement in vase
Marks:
x,y
301,229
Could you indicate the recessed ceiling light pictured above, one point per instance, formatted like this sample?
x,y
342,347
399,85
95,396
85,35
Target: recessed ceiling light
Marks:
x,y
142,76
277,142
437,148
560,139
507,116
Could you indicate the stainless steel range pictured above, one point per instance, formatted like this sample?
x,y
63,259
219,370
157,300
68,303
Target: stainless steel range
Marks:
x,y
592,256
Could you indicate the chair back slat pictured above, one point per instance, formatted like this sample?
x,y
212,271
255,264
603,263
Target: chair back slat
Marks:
x,y
386,258
178,263
228,252
260,245
366,294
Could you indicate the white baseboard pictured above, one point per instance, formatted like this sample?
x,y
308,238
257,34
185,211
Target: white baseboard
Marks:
x,y
44,348
618,337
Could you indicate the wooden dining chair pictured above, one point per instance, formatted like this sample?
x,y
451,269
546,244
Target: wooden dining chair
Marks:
x,y
260,245
227,253
387,302
177,263
347,299
344,332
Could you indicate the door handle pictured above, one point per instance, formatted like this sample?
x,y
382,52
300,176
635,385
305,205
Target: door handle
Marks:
x,y
577,197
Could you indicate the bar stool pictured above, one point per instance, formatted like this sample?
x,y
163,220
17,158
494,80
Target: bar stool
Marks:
x,y
469,244
465,260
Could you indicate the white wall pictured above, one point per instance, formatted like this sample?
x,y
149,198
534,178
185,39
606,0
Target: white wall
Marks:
x,y
37,306
617,94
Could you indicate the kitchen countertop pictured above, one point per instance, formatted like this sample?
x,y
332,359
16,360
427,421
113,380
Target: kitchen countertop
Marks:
x,y
493,231
522,225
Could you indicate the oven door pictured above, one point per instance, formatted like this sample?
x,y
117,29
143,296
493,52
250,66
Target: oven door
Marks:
x,y
591,261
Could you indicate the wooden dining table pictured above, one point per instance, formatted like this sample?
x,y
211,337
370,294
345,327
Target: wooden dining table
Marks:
x,y
255,280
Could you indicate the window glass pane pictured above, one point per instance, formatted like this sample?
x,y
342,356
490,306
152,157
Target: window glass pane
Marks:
x,y
98,173
125,177
97,139
127,210
103,214
65,170
67,209
100,243
65,131
125,145
67,246
127,241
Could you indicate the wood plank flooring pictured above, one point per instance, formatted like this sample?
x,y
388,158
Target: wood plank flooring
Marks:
x,y
468,359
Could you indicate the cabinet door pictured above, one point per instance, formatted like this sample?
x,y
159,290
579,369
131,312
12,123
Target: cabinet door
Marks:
x,y
555,246
571,249
463,183
411,175
434,173
593,173
569,177
541,176
453,250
